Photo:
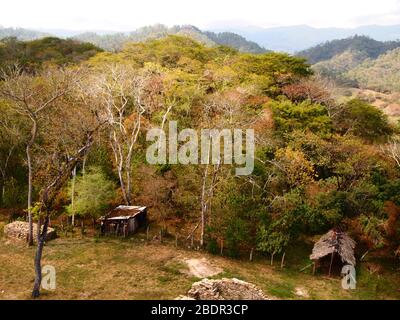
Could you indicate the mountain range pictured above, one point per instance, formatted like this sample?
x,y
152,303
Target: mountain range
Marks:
x,y
246,38
114,41
296,38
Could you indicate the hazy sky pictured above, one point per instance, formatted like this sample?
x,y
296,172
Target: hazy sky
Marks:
x,y
126,15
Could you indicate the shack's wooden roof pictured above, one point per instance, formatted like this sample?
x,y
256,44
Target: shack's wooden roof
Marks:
x,y
123,213
338,242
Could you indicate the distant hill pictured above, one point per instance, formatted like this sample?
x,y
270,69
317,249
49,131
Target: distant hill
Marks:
x,y
22,34
116,41
32,54
337,67
301,37
358,61
381,74
364,45
231,39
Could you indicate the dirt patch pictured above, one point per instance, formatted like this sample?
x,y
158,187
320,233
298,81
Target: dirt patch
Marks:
x,y
224,289
301,292
202,268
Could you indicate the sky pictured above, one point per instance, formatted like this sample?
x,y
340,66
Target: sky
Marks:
x,y
125,15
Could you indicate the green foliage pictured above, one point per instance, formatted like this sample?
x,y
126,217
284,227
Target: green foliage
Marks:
x,y
363,120
93,194
31,55
235,235
289,116
372,227
212,246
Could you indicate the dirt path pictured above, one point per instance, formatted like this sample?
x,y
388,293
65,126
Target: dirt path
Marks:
x,y
202,268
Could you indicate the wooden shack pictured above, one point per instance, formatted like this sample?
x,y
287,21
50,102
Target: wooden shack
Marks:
x,y
334,244
123,220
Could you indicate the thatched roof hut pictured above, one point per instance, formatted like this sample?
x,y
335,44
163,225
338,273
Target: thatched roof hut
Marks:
x,y
335,242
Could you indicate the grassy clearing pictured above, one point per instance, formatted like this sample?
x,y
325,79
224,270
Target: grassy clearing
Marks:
x,y
90,268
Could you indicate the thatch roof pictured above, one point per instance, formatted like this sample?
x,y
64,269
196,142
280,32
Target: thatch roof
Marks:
x,y
338,242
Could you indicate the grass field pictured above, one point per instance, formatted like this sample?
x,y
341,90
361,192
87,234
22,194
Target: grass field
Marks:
x,y
105,268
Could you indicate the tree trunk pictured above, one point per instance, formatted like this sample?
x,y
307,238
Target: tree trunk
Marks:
x,y
128,184
30,233
38,259
123,189
283,260
84,165
29,161
73,196
3,192
251,254
4,176
38,227
203,206
330,265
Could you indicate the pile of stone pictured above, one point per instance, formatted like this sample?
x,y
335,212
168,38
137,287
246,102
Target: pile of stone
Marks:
x,y
224,289
18,230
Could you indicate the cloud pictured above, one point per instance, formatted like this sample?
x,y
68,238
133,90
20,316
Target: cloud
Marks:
x,y
127,15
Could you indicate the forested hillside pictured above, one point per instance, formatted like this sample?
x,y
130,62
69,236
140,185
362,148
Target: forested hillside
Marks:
x,y
358,62
369,47
30,55
381,74
319,164
73,144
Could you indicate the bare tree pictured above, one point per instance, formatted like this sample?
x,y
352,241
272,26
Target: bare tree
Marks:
x,y
392,149
226,109
31,96
121,91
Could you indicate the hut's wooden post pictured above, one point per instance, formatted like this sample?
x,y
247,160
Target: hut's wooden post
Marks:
x,y
283,260
251,254
222,247
330,265
82,227
314,266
